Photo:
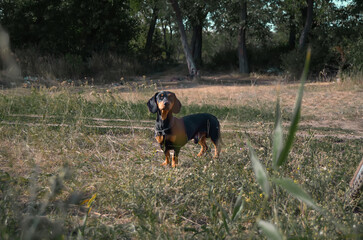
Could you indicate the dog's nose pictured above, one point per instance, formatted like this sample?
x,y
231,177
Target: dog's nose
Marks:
x,y
166,104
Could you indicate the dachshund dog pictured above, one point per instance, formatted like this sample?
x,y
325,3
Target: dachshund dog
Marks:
x,y
173,133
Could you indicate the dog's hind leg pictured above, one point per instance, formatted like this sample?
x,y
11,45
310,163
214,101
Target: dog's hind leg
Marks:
x,y
216,140
202,143
217,150
217,146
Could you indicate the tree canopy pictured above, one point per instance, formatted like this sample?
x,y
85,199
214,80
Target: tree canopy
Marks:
x,y
270,35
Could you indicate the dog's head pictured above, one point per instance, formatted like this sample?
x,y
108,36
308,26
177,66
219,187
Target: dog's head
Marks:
x,y
164,102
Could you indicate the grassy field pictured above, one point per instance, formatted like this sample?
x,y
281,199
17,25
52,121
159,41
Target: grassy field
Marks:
x,y
82,163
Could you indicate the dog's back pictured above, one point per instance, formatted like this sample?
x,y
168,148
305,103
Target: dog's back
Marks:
x,y
196,124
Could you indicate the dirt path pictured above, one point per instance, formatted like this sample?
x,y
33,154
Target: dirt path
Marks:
x,y
349,130
326,105
330,109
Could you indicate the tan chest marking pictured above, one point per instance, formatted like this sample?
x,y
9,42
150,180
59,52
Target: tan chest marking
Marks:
x,y
159,139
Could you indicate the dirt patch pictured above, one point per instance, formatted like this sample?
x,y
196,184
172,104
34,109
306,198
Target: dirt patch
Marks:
x,y
325,105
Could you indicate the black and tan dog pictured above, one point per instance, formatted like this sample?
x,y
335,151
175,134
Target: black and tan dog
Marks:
x,y
173,133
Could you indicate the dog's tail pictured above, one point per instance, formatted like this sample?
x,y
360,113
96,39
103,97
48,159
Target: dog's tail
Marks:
x,y
220,141
217,141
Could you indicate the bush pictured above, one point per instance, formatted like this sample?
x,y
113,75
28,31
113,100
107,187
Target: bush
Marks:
x,y
103,67
355,55
260,59
50,67
292,63
267,58
323,59
109,67
225,59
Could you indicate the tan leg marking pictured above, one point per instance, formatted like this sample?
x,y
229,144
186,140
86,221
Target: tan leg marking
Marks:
x,y
174,162
167,158
203,144
217,150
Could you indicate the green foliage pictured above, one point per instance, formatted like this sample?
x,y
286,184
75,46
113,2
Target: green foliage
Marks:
x,y
70,26
277,141
266,58
260,172
37,221
355,55
292,63
295,190
101,67
280,155
72,38
224,59
270,230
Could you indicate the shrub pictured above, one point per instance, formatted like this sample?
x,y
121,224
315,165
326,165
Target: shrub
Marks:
x,y
265,59
32,63
103,67
109,67
292,63
224,59
321,58
355,55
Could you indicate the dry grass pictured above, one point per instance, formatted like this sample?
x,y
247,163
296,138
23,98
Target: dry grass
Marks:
x,y
137,198
324,104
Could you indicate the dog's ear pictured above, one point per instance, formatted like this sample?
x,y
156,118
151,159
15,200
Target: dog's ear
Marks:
x,y
177,105
152,105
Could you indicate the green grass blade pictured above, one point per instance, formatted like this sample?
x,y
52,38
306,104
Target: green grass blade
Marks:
x,y
277,142
296,191
238,207
260,172
277,111
270,230
224,216
296,116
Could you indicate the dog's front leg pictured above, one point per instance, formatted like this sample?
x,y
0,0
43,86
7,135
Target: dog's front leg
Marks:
x,y
174,162
167,158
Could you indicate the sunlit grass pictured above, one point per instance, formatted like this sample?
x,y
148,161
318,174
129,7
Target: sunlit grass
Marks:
x,y
49,175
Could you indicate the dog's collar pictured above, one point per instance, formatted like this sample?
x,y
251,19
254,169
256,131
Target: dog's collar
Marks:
x,y
162,132
159,131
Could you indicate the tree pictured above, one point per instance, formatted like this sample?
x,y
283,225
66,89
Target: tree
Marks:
x,y
242,49
188,55
69,26
196,13
197,27
150,33
308,22
167,41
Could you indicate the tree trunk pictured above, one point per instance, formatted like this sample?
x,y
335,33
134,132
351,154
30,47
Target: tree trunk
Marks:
x,y
170,29
166,45
150,34
197,44
242,50
292,33
307,27
189,57
197,20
